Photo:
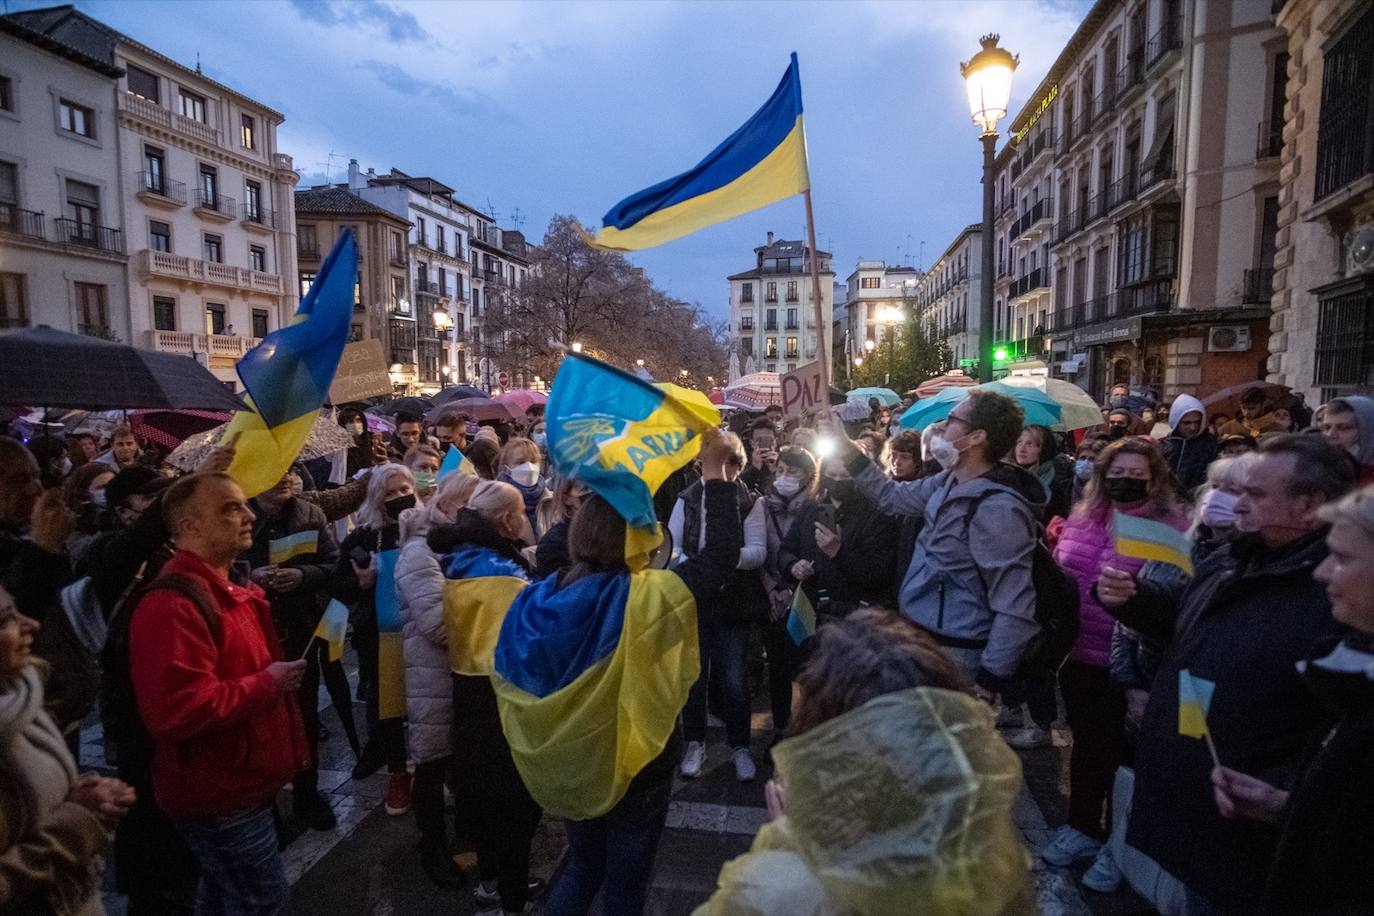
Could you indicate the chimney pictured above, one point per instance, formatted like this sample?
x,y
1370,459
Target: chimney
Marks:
x,y
355,176
770,238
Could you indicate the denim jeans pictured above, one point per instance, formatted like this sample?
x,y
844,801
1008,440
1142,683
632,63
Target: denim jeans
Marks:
x,y
724,656
241,870
613,854
784,660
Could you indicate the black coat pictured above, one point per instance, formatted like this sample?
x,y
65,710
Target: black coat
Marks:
x,y
741,598
551,553
863,569
1244,622
1188,458
297,612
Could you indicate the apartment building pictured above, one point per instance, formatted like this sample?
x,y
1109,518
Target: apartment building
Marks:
x,y
1151,141
947,296
197,209
382,305
876,299
500,263
772,312
1322,327
62,247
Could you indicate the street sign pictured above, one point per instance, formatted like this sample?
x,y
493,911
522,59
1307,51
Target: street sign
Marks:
x,y
362,373
801,391
970,361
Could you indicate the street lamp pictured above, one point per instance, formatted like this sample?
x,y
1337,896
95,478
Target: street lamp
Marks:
x,y
577,346
445,370
890,316
988,79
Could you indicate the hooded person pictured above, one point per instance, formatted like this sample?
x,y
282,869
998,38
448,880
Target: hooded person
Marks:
x,y
1348,424
1189,447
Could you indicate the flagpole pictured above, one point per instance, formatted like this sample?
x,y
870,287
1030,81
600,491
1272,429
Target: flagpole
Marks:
x,y
822,357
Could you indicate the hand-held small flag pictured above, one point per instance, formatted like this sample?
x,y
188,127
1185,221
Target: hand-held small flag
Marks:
x,y
801,617
454,463
1146,539
1194,701
332,628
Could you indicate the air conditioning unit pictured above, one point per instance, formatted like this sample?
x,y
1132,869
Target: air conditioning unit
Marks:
x,y
1359,249
1228,338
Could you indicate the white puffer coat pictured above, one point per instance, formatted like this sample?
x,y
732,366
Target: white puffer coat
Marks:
x,y
429,686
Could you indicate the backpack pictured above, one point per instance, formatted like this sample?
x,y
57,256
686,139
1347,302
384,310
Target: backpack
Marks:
x,y
1056,604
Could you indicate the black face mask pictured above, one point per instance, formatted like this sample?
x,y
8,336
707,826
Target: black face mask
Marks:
x,y
1126,489
1116,432
840,490
1117,400
394,507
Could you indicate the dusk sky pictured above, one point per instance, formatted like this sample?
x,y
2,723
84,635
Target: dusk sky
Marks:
x,y
532,109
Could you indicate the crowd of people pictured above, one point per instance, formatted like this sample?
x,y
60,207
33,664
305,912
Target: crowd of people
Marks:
x,y
969,597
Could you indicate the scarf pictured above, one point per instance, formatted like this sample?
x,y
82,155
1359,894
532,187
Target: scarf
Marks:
x,y
782,515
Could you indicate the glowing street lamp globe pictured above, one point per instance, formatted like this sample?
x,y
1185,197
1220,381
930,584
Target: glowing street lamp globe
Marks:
x,y
988,79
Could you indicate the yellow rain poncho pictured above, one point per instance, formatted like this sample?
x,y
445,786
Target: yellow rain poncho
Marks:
x,y
901,807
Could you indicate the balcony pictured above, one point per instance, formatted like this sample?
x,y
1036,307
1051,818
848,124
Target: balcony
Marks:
x,y
1104,101
219,346
160,191
1039,212
1121,191
193,270
747,299
402,334
1131,75
258,218
1143,298
1257,286
1164,41
307,247
15,221
792,297
1269,140
1157,173
746,324
1069,224
792,324
89,235
1033,282
154,113
214,206
770,325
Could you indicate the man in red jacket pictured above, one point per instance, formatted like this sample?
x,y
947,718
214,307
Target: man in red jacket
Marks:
x,y
217,700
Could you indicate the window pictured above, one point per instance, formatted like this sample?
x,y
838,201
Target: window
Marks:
x,y
142,83
154,170
259,323
791,348
1345,336
257,258
14,311
9,190
83,208
209,187
76,119
307,242
419,230
160,236
191,106
441,284
252,200
358,292
772,348
870,283
307,278
746,293
772,293
355,333
398,251
747,346
1345,145
792,318
1130,254
791,290
248,132
164,313
214,318
91,307
439,242
214,248
398,296
1164,243
771,320
6,94
746,323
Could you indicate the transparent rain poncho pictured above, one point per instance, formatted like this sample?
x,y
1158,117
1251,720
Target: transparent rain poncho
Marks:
x,y
901,807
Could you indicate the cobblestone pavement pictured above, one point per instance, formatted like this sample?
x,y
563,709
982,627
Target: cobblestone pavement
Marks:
x,y
369,865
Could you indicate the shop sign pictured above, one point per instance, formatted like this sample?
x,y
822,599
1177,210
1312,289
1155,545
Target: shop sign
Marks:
x,y
1108,332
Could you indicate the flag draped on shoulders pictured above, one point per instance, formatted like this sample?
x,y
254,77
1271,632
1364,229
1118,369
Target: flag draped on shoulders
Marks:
x,y
480,587
589,680
760,163
622,437
287,376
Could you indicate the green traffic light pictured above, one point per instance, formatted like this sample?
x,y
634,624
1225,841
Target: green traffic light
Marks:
x,y
999,353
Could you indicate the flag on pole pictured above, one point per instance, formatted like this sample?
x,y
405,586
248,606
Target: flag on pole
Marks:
x,y
1194,701
801,617
332,628
622,438
1146,539
760,163
454,463
287,376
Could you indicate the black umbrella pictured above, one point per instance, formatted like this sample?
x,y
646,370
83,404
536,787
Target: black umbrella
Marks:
x,y
412,405
457,393
42,367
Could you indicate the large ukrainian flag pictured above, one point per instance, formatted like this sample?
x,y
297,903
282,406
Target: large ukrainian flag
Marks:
x,y
622,437
287,376
762,162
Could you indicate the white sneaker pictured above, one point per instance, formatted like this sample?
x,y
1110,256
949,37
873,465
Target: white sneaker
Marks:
x,y
744,765
1028,738
1070,846
1105,875
691,761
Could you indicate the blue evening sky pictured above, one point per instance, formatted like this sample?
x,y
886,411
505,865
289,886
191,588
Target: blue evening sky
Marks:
x,y
539,108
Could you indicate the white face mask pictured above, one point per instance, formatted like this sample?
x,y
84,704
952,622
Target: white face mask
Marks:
x,y
526,474
1218,509
787,487
943,451
357,428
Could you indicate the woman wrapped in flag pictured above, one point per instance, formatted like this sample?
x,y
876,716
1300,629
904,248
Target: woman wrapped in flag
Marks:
x,y
591,670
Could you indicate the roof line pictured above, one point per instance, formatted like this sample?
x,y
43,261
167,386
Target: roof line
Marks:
x,y
52,45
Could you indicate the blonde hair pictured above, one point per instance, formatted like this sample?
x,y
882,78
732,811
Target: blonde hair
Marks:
x,y
456,488
416,452
1222,473
493,499
372,513
1354,508
519,451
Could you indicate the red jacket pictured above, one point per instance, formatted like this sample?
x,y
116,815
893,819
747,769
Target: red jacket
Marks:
x,y
224,738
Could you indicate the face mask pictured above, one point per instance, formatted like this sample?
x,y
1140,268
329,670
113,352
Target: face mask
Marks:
x,y
1083,469
394,507
1116,432
1125,489
1218,509
526,474
357,428
540,439
787,487
1117,400
943,451
98,499
66,466
425,480
840,490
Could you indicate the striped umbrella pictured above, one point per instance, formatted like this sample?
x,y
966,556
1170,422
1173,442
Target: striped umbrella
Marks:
x,y
933,386
755,391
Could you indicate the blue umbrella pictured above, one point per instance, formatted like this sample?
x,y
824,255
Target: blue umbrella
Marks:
x,y
886,396
1038,406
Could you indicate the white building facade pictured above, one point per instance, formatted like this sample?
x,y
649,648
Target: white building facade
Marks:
x,y
878,298
772,313
947,296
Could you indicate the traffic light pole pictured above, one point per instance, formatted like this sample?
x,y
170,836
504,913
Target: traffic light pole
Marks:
x,y
985,316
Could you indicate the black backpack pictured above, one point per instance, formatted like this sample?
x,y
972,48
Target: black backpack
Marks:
x,y
1056,604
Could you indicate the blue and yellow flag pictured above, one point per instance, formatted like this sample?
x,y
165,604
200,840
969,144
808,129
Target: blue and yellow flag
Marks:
x,y
454,463
480,585
287,376
589,680
801,617
391,660
1146,539
762,162
332,628
622,437
293,545
1194,702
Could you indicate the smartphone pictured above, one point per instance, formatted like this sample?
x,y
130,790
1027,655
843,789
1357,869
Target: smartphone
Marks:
x,y
825,514
360,556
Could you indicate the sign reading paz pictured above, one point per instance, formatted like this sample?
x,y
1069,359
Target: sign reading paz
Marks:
x,y
801,391
362,373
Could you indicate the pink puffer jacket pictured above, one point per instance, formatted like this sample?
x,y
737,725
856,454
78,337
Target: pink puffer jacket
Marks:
x,y
1084,548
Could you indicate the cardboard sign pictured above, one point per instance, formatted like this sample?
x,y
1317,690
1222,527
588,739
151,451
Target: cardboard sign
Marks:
x,y
801,391
362,373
